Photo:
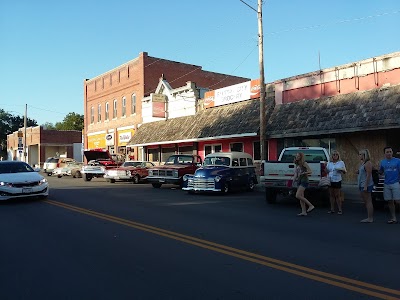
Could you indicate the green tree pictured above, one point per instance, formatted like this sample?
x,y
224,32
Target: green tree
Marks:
x,y
72,121
10,123
48,125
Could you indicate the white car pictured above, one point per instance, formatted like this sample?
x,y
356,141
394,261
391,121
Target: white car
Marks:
x,y
19,180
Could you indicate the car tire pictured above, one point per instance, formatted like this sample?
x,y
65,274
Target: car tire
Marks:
x,y
251,185
136,179
48,174
226,188
86,177
270,196
59,176
156,185
112,180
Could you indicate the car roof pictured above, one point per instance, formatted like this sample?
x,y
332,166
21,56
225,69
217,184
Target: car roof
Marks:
x,y
232,155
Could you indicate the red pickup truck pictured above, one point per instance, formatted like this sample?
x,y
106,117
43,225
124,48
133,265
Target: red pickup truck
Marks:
x,y
173,170
98,160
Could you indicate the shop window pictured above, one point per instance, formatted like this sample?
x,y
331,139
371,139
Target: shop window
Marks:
x,y
153,154
212,148
186,150
123,106
236,147
167,152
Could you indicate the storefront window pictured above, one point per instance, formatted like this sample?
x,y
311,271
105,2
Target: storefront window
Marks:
x,y
236,147
212,149
327,143
153,154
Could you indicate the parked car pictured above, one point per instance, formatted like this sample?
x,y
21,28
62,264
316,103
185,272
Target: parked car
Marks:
x,y
52,163
173,170
222,172
134,171
71,169
20,180
98,161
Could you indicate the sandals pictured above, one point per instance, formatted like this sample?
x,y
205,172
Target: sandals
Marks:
x,y
331,212
392,222
302,214
339,212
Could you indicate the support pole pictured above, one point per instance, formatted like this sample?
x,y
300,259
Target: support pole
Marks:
x,y
25,146
262,84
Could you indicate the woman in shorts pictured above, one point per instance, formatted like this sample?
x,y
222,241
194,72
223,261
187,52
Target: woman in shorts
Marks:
x,y
365,183
301,176
336,168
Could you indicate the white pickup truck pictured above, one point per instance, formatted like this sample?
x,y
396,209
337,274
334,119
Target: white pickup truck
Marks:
x,y
277,175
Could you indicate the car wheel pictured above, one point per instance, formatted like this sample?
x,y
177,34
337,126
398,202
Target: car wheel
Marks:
x,y
251,185
112,180
48,174
225,188
78,174
156,185
86,177
59,176
270,196
136,179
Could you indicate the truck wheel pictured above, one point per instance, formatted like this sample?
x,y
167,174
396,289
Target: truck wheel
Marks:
x,y
270,196
136,179
86,177
112,180
156,185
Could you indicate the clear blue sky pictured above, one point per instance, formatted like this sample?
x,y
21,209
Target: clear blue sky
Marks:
x,y
49,47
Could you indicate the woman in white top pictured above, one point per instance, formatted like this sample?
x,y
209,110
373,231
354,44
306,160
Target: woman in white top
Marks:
x,y
336,168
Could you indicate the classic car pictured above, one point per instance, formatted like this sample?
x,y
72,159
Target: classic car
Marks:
x,y
98,161
222,172
134,171
175,167
19,180
71,169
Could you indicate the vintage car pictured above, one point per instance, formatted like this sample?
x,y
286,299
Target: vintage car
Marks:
x,y
222,172
71,169
98,161
175,167
134,171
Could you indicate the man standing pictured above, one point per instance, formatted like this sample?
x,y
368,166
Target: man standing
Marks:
x,y
390,166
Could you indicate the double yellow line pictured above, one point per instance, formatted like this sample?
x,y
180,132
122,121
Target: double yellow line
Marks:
x,y
331,279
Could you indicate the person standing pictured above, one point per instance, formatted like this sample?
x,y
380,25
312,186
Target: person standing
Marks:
x,y
336,168
390,167
365,183
301,176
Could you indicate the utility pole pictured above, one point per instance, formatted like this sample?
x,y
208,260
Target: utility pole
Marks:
x,y
25,146
262,84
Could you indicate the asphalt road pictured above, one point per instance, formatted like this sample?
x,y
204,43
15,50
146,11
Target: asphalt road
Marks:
x,y
96,240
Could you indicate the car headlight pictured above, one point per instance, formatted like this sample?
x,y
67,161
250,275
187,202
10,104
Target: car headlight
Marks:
x,y
150,173
185,177
217,178
175,173
42,181
128,173
7,184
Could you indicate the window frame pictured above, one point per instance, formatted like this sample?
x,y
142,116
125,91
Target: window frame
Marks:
x,y
115,109
124,106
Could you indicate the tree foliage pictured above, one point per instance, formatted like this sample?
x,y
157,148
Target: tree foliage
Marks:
x,y
72,121
10,123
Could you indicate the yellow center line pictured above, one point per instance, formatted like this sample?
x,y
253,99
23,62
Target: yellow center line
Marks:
x,y
328,278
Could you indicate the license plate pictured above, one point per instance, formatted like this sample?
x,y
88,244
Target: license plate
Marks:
x,y
26,190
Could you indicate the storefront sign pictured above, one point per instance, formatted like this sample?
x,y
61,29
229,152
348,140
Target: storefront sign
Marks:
x,y
109,139
158,109
96,141
124,136
231,94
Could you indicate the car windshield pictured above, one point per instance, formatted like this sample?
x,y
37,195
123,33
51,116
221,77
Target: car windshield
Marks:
x,y
52,160
310,155
15,167
132,164
179,159
217,161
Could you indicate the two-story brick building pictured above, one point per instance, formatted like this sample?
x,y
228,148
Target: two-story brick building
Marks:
x,y
113,100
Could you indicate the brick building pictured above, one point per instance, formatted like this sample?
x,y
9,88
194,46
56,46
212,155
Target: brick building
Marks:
x,y
113,100
42,143
348,107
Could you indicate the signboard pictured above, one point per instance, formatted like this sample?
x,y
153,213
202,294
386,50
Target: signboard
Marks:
x,y
96,141
124,137
158,109
158,98
109,139
20,144
231,94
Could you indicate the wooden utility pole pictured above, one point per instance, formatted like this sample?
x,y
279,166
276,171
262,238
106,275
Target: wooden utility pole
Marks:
x,y
25,146
262,84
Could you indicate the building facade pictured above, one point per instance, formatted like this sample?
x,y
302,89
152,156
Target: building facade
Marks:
x,y
347,108
43,143
113,100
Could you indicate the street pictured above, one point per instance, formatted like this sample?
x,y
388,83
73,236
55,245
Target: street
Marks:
x,y
97,240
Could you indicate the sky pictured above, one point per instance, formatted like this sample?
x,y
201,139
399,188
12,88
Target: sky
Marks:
x,y
48,48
